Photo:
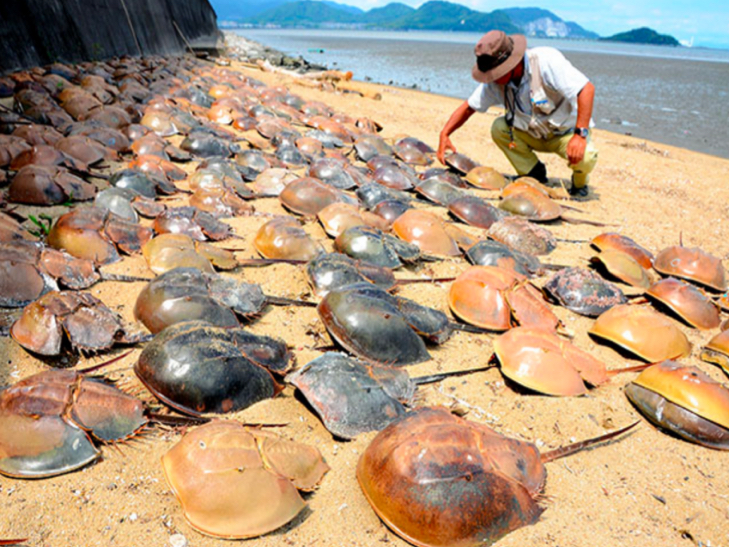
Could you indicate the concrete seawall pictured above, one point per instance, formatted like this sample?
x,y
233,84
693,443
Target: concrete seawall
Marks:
x,y
38,32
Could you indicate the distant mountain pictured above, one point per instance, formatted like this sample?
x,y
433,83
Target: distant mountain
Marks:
x,y
390,12
345,7
643,35
541,23
306,13
439,15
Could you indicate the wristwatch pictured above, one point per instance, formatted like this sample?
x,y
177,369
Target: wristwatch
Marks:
x,y
582,132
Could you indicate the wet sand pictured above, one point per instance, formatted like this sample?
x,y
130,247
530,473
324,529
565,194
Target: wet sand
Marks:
x,y
647,489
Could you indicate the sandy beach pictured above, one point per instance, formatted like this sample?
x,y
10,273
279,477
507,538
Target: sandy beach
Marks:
x,y
646,489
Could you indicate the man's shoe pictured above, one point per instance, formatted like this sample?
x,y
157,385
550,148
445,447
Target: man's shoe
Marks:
x,y
539,172
581,192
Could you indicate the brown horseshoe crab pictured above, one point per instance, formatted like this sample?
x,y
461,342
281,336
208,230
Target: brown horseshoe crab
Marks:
x,y
717,350
284,238
50,423
77,317
426,231
522,235
543,362
686,301
97,235
486,178
625,244
692,264
642,331
461,163
480,484
474,211
168,251
620,265
684,401
199,225
237,483
48,185
196,367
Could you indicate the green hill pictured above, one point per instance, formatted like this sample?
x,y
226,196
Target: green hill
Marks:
x,y
306,13
440,15
643,35
390,12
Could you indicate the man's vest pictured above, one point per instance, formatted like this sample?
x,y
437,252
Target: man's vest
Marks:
x,y
551,112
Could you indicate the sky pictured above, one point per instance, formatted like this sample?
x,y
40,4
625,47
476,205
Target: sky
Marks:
x,y
707,21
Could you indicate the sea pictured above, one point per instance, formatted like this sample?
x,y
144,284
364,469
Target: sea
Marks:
x,y
672,95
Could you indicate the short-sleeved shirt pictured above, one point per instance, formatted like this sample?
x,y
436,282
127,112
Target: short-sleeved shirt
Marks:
x,y
557,73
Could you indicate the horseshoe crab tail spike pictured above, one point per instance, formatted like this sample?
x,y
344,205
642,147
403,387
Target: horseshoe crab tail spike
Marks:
x,y
176,421
576,447
563,240
124,278
636,368
104,364
13,541
260,262
432,378
467,328
425,280
282,301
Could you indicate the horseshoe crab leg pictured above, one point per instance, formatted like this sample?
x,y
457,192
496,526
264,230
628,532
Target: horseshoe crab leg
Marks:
x,y
123,278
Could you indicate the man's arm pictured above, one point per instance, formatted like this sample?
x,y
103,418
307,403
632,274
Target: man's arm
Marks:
x,y
576,146
457,119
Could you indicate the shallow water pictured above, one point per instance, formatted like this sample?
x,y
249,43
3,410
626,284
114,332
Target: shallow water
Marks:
x,y
677,96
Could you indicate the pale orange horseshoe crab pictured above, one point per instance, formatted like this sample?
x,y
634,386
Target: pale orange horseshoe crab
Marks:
x,y
692,264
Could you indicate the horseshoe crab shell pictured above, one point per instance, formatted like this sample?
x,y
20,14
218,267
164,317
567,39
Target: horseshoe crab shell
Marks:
x,y
283,237
717,350
376,247
523,236
426,231
642,331
692,264
461,163
486,178
237,483
685,401
687,302
584,292
624,267
625,244
474,211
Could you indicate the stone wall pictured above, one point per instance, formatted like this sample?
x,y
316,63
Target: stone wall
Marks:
x,y
39,32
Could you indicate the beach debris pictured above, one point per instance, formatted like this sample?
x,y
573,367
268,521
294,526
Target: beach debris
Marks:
x,y
235,482
487,487
642,331
196,367
684,401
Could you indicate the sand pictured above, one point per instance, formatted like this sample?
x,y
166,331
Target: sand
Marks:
x,y
647,489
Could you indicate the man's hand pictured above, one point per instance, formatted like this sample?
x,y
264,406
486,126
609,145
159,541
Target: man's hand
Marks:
x,y
443,145
576,149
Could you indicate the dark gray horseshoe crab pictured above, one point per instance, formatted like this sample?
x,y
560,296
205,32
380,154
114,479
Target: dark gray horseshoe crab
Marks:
x,y
584,292
195,367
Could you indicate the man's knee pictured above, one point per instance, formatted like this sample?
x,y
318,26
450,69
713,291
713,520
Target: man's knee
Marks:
x,y
588,162
500,130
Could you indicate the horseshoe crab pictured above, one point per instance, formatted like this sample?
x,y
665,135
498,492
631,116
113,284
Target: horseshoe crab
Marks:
x,y
474,211
169,251
352,397
686,301
426,231
48,185
692,264
390,210
199,225
684,401
493,253
480,484
371,193
394,178
80,318
332,172
642,331
369,146
622,266
307,196
338,217
486,178
377,326
141,183
495,299
583,292
522,235
439,192
30,270
51,422
220,202
543,362
96,234
237,483
186,294
461,163
196,367
284,238
376,247
625,244
271,182
157,167
717,350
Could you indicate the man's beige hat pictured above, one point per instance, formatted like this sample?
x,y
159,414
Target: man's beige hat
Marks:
x,y
497,54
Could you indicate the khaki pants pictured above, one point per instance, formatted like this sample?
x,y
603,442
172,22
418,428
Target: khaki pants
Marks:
x,y
523,158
